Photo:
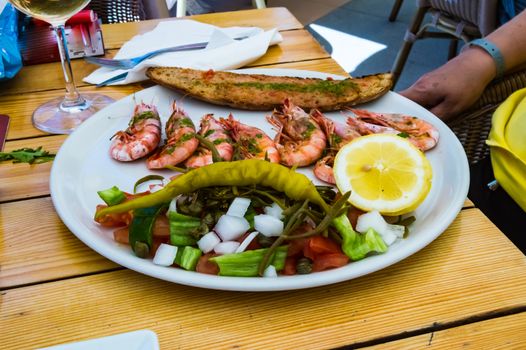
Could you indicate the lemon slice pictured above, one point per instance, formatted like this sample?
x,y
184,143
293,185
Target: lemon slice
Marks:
x,y
383,172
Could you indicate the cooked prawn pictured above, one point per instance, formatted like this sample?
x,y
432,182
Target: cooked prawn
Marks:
x,y
140,138
338,135
252,142
299,139
180,140
419,132
213,132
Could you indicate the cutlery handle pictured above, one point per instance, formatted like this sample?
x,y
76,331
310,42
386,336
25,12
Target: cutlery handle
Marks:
x,y
112,80
187,47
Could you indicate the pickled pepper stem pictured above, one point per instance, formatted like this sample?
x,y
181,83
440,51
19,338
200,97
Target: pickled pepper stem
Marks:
x,y
295,218
175,168
271,197
326,222
146,179
210,145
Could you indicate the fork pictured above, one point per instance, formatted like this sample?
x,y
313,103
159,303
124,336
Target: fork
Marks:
x,y
128,63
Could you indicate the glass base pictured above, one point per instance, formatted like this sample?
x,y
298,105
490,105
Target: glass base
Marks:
x,y
57,118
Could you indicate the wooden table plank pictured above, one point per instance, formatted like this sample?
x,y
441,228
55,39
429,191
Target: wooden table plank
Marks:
x,y
21,106
269,18
36,246
297,45
505,333
24,180
391,301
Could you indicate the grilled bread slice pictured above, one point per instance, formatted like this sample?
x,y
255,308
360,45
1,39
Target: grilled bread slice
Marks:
x,y
265,92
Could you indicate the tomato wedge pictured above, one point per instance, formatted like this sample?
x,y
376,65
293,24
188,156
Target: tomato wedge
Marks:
x,y
322,245
329,261
204,265
290,266
122,235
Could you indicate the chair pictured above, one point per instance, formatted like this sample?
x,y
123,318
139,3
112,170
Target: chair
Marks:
x,y
465,20
129,10
181,6
473,126
394,10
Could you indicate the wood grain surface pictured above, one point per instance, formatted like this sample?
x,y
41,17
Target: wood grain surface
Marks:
x,y
297,45
439,284
54,289
115,35
506,333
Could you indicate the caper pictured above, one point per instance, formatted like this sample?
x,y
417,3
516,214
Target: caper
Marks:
x,y
265,241
304,266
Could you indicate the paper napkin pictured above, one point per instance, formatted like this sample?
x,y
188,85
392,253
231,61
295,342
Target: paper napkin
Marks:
x,y
222,53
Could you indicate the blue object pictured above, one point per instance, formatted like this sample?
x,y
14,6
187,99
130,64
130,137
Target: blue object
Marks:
x,y
10,59
493,51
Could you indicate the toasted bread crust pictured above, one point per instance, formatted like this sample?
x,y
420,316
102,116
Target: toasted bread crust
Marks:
x,y
265,92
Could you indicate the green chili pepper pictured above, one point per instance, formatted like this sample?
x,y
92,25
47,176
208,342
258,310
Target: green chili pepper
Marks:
x,y
112,196
246,264
181,229
140,230
246,172
189,258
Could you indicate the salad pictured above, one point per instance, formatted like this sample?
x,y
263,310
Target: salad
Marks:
x,y
246,218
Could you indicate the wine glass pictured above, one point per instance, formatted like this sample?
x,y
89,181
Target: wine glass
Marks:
x,y
62,115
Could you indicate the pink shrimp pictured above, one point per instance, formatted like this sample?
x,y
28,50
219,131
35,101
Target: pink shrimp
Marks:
x,y
180,141
252,142
300,140
213,132
140,138
419,132
338,135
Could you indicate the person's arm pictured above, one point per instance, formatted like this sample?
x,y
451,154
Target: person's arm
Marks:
x,y
455,86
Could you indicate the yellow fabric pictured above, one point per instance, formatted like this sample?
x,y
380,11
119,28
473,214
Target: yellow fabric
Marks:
x,y
507,141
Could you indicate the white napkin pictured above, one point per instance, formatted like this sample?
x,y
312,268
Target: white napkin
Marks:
x,y
222,52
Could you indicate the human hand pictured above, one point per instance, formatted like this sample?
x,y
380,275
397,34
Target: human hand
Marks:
x,y
454,87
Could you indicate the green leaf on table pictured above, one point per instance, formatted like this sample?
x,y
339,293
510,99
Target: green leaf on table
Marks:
x,y
27,155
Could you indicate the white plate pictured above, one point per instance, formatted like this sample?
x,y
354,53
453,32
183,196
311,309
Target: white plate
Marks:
x,y
83,167
137,340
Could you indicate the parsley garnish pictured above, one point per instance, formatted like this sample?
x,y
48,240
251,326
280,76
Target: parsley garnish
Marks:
x,y
27,155
403,134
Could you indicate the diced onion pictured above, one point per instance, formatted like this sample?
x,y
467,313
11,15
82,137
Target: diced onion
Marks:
x,y
246,242
208,242
165,255
238,207
372,219
270,271
397,230
226,247
268,225
274,210
172,206
230,228
377,222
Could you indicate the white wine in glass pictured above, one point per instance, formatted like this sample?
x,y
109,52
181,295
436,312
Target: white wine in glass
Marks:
x,y
62,115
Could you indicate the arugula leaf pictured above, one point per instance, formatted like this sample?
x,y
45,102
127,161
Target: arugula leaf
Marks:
x,y
27,155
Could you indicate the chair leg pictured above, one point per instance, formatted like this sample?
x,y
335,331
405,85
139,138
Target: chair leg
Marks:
x,y
395,10
181,8
260,4
402,55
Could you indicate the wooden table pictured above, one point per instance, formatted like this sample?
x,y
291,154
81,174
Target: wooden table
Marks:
x,y
466,289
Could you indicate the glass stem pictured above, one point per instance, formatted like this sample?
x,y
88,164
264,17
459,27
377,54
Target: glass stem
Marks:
x,y
72,97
